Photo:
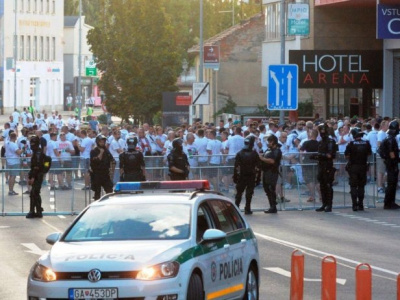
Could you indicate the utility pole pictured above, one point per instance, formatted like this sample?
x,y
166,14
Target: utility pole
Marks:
x,y
201,57
15,54
283,29
79,96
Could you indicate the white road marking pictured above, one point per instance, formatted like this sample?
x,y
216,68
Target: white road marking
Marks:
x,y
52,206
4,227
33,248
301,247
285,273
61,216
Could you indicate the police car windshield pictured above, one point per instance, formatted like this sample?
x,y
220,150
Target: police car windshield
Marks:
x,y
138,221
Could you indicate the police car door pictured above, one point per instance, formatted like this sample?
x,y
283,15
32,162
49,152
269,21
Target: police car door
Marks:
x,y
213,252
232,268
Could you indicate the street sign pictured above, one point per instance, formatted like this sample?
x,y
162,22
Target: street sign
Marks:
x,y
211,57
298,19
283,87
201,93
91,69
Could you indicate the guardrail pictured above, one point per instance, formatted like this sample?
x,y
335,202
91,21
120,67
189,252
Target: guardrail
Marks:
x,y
298,182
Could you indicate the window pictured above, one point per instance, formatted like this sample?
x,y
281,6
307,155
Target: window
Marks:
x,y
203,222
272,21
22,48
224,220
28,47
48,6
34,48
21,6
35,6
41,6
53,49
28,8
41,48
47,49
54,7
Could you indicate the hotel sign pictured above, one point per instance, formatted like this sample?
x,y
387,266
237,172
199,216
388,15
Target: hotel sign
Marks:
x,y
338,68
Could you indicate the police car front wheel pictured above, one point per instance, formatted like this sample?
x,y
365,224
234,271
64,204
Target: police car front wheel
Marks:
x,y
251,285
195,289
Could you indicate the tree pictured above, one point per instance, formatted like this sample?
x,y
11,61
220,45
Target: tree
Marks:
x,y
136,55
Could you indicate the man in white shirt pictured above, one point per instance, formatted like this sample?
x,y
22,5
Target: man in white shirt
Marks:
x,y
380,165
201,143
13,161
215,151
85,148
116,149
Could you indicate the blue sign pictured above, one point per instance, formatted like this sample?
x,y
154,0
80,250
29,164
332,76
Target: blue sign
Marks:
x,y
283,87
388,22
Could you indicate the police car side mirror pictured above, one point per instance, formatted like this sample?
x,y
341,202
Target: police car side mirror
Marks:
x,y
213,235
53,238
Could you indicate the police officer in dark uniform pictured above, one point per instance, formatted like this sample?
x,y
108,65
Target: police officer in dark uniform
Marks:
x,y
35,178
247,162
391,161
178,163
357,152
100,164
326,172
270,162
131,162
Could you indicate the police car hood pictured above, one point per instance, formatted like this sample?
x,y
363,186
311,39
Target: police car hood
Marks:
x,y
111,256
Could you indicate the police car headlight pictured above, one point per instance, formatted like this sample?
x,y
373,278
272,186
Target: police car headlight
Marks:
x,y
41,273
161,271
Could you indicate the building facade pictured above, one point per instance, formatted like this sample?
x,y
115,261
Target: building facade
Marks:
x,y
31,54
343,34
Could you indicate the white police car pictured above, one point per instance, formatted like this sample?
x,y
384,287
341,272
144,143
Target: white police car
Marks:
x,y
143,242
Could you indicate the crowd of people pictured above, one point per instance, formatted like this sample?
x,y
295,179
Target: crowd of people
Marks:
x,y
211,149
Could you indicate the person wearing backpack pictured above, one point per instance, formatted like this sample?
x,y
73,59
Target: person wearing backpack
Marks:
x,y
389,151
35,180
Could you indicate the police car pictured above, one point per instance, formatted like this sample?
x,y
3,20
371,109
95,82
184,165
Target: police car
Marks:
x,y
152,240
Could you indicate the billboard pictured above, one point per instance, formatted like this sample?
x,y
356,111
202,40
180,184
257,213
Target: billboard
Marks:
x,y
388,22
173,112
338,68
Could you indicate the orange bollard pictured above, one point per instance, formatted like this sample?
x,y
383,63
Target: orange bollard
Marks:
x,y
297,277
363,282
398,287
328,285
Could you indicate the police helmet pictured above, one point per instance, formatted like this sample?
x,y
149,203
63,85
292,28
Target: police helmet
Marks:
x,y
272,138
132,142
394,128
323,130
34,142
249,142
99,138
356,132
177,144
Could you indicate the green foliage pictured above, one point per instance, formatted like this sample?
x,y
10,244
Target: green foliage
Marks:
x,y
102,119
157,118
229,108
89,10
306,108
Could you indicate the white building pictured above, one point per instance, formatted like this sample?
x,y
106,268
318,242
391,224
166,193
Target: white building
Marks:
x,y
39,39
71,58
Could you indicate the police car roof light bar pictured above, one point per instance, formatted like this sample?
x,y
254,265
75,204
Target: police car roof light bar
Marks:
x,y
162,185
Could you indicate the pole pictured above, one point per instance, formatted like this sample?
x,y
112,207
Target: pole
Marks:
x,y
283,29
201,57
15,55
233,12
79,96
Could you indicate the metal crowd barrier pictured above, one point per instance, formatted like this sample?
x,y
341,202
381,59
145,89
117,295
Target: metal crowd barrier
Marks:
x,y
297,187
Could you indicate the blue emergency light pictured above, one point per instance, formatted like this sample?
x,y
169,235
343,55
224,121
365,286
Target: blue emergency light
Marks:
x,y
162,185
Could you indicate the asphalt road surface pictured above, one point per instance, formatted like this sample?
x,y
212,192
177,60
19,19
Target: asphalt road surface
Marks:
x,y
352,237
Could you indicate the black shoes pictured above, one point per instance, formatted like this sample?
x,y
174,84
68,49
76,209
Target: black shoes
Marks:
x,y
322,208
248,212
271,211
391,206
328,209
30,215
355,208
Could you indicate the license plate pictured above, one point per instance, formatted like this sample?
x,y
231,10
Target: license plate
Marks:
x,y
100,293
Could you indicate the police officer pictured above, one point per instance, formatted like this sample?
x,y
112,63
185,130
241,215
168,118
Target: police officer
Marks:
x,y
357,152
131,162
100,164
35,178
271,160
178,163
391,156
326,172
247,162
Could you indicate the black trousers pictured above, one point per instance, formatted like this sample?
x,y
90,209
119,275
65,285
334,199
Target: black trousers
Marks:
x,y
247,183
35,198
326,176
269,184
357,182
176,176
101,181
134,176
392,178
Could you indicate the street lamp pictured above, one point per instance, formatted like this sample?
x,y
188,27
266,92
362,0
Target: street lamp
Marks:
x,y
15,54
185,66
80,62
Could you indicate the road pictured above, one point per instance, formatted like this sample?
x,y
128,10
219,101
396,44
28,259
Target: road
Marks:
x,y
352,237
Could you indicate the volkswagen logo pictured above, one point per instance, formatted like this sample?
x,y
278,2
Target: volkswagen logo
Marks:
x,y
94,275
